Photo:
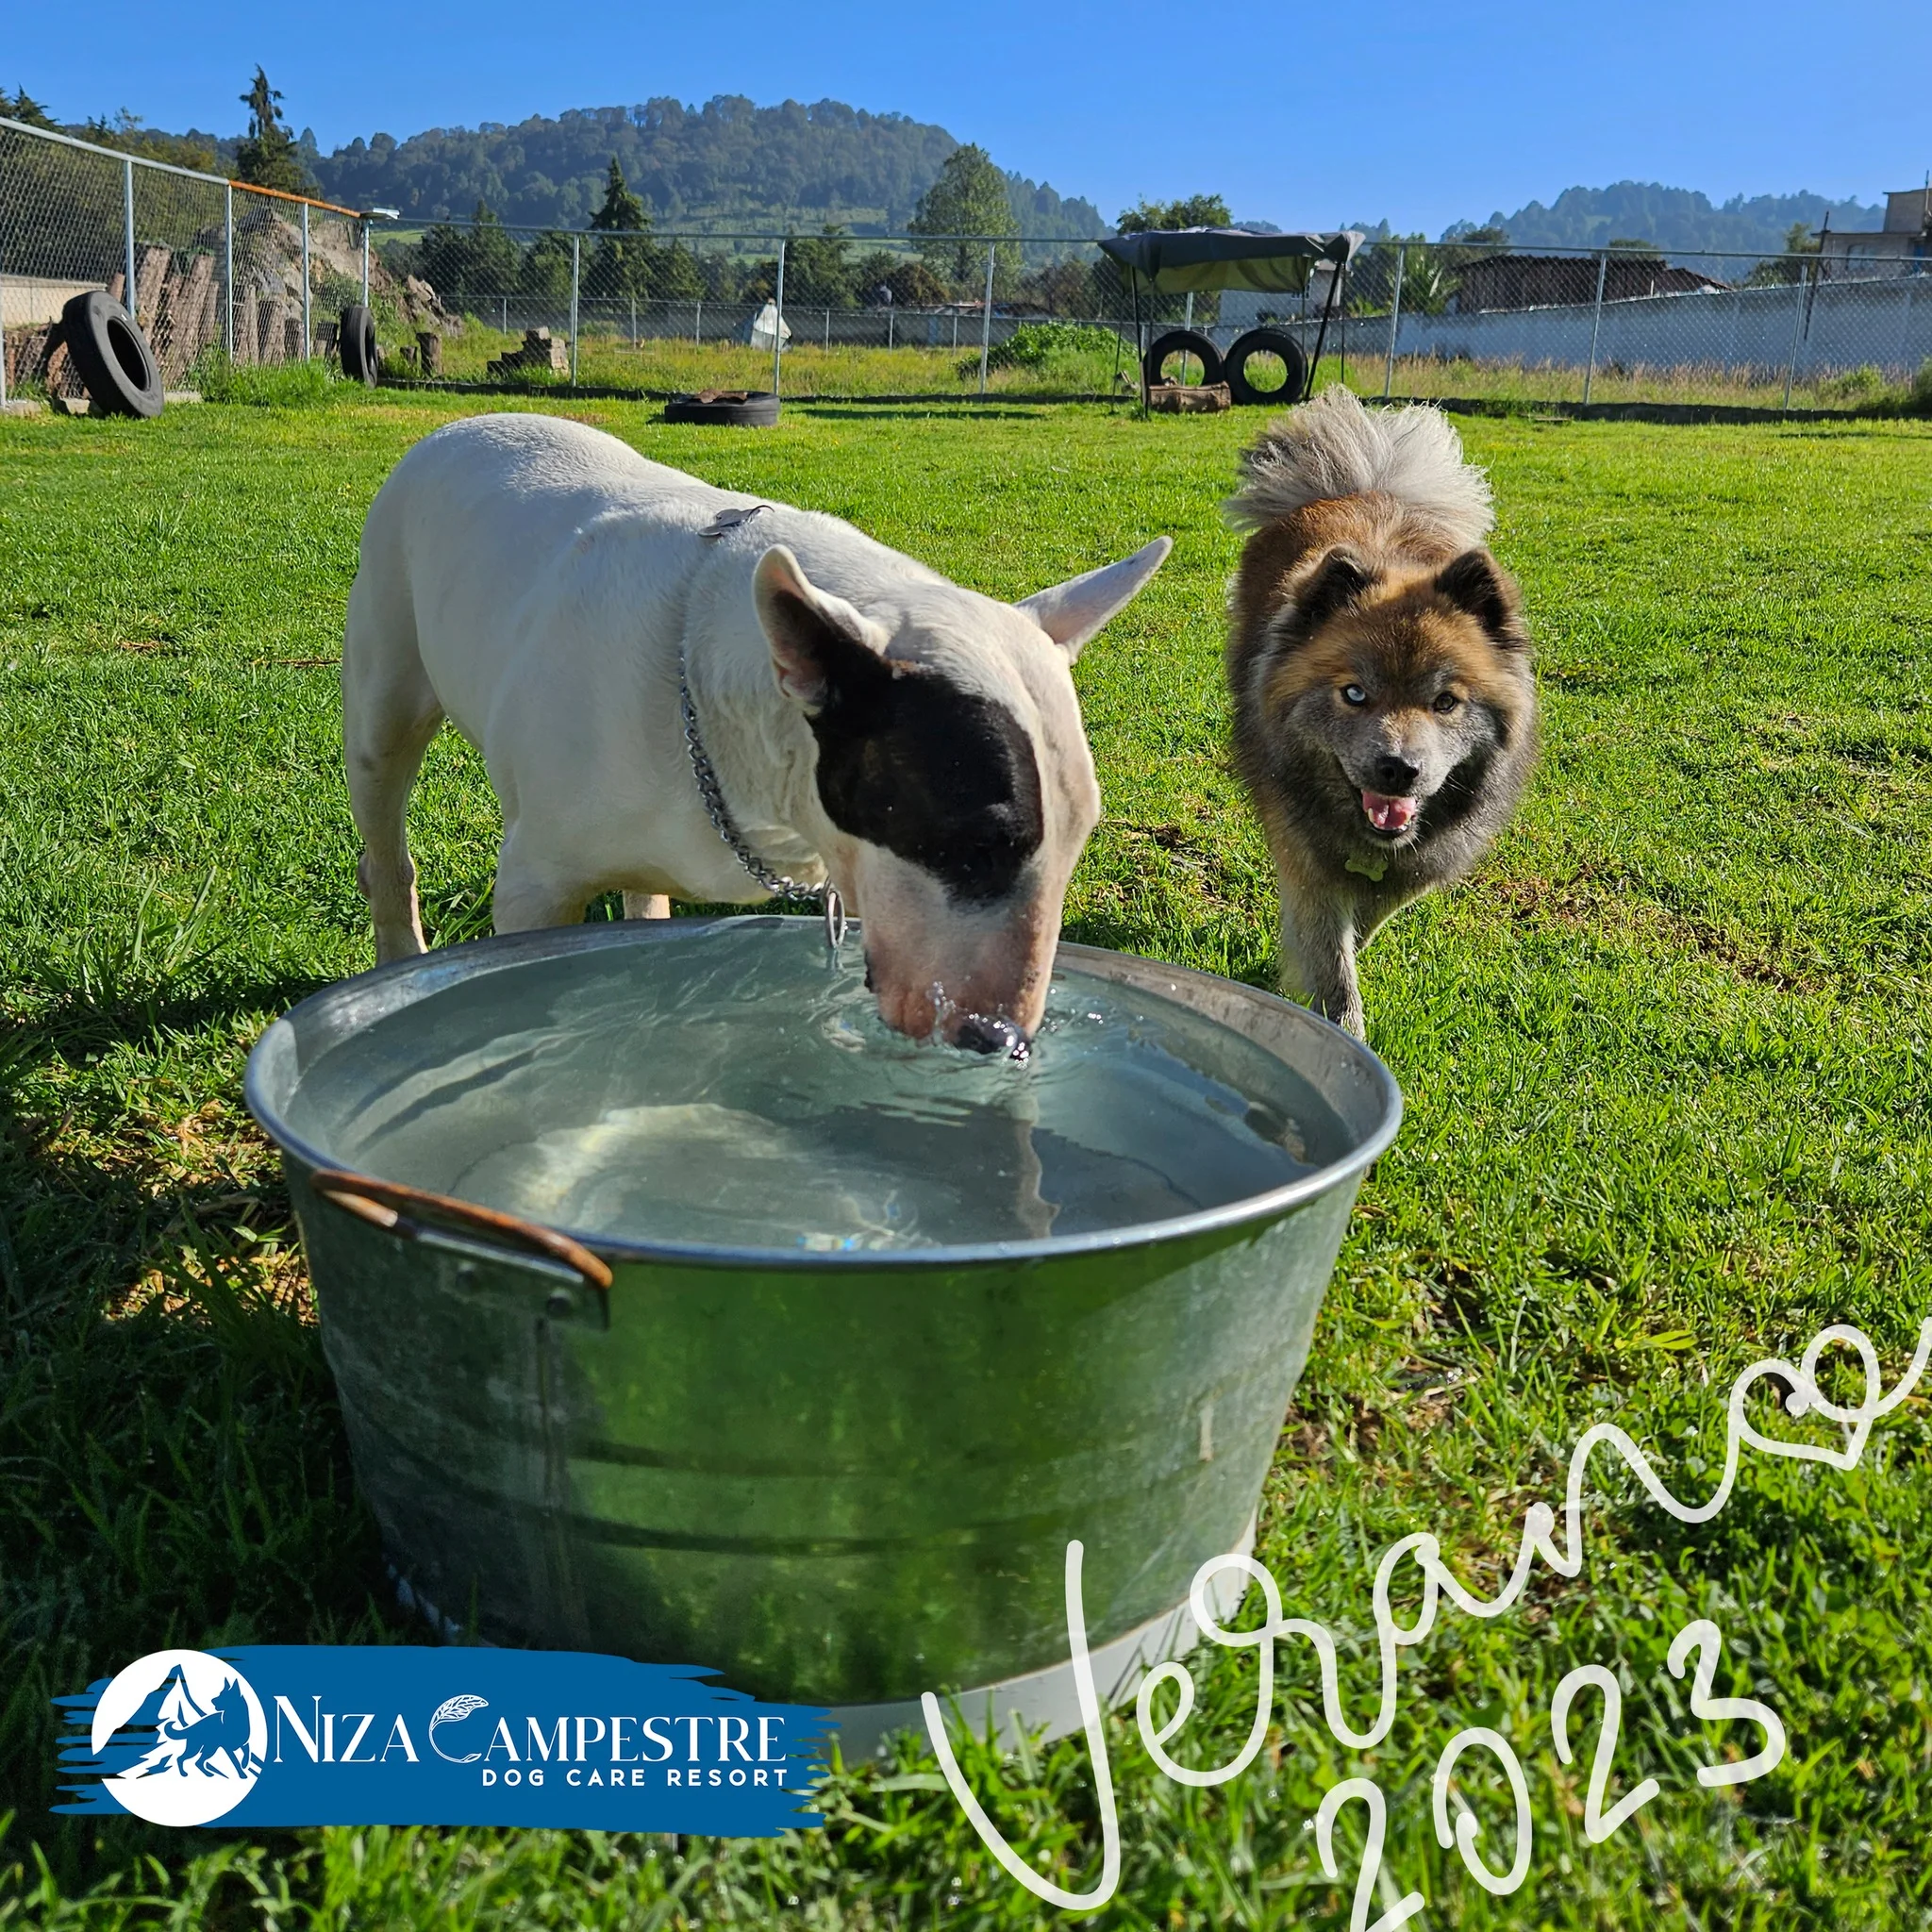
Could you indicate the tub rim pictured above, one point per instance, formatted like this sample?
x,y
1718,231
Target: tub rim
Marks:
x,y
375,992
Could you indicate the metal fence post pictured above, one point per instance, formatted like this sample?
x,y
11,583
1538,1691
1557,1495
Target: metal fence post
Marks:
x,y
1798,330
307,315
366,226
1394,324
829,325
778,322
1597,321
986,317
127,211
576,266
228,271
697,327
3,330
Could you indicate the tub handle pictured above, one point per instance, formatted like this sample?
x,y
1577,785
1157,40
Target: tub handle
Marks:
x,y
412,1211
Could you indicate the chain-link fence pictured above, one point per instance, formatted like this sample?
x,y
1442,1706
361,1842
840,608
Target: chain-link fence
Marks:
x,y
217,267
218,271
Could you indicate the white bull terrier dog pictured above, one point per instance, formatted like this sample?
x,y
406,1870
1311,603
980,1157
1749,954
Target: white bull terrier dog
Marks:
x,y
612,635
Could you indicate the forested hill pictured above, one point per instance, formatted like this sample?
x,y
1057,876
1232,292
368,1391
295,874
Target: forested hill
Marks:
x,y
728,163
1680,219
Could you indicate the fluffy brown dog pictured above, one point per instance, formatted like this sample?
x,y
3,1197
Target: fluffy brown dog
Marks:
x,y
1384,709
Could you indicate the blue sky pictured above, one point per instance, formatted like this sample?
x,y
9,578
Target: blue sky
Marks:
x,y
1418,110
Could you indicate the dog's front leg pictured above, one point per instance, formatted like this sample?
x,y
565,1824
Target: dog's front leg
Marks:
x,y
647,905
1318,954
533,891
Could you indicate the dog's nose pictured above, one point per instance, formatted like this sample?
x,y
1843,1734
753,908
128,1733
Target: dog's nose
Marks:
x,y
1394,776
978,1034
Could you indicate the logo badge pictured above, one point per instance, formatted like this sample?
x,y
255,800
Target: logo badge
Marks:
x,y
184,1736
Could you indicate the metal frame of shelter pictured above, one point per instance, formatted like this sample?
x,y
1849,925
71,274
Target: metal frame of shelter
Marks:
x,y
1180,261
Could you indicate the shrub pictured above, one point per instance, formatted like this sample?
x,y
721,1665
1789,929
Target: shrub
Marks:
x,y
1854,386
1038,344
1919,397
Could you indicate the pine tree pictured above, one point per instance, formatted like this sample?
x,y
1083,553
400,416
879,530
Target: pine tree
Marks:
x,y
22,106
627,262
622,213
266,156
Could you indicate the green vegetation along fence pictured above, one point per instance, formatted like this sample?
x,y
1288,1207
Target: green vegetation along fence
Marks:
x,y
219,268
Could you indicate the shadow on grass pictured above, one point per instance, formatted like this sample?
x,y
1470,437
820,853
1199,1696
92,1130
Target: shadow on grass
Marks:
x,y
173,1465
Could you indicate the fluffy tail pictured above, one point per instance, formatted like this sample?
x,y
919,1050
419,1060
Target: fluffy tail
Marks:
x,y
1334,447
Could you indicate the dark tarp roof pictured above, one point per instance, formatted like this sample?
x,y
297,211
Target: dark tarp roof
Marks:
x,y
1178,260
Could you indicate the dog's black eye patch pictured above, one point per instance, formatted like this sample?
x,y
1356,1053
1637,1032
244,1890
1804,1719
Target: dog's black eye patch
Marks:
x,y
942,777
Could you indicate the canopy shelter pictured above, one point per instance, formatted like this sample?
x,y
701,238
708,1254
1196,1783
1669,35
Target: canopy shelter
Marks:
x,y
1180,261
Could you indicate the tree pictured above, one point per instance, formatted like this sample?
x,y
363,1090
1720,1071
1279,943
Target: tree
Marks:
x,y
545,271
1195,211
625,263
969,200
266,156
133,136
679,277
816,268
622,213
22,106
903,280
1800,240
472,268
1065,288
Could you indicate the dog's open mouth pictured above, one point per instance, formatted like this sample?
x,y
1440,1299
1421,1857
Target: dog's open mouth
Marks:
x,y
1391,816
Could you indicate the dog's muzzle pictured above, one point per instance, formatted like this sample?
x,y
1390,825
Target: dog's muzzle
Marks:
x,y
976,1033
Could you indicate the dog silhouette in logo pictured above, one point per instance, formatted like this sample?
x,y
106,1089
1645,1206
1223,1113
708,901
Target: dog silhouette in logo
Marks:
x,y
224,1727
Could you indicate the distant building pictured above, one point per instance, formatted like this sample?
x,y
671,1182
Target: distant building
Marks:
x,y
1902,247
1555,281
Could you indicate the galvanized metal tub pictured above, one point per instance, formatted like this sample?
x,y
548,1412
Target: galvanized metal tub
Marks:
x,y
836,1478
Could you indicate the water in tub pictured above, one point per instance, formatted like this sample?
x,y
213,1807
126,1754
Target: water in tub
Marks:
x,y
716,1086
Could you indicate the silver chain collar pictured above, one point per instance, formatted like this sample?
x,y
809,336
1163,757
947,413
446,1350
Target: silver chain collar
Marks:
x,y
777,884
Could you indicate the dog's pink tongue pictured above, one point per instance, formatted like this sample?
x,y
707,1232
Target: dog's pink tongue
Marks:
x,y
1389,814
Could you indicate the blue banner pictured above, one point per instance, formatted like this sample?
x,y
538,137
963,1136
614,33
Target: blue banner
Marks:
x,y
310,1734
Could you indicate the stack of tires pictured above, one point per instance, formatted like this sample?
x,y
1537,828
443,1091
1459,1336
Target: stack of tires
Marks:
x,y
1232,368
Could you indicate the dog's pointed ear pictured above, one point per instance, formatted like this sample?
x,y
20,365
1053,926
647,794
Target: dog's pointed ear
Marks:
x,y
818,640
1476,583
1073,613
1337,581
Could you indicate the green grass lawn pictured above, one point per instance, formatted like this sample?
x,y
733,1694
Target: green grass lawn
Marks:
x,y
1666,1063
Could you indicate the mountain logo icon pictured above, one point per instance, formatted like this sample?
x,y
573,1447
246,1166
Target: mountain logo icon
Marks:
x,y
184,1736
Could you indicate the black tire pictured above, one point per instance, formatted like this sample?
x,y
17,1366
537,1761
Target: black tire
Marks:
x,y
356,344
1183,341
754,408
1266,342
110,356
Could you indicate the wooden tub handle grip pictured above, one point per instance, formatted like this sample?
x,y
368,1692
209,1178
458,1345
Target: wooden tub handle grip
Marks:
x,y
407,1211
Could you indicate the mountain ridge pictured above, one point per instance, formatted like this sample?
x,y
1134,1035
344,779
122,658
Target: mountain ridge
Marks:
x,y
1681,221
728,161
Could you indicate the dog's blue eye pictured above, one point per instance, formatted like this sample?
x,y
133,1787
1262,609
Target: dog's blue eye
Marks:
x,y
1353,695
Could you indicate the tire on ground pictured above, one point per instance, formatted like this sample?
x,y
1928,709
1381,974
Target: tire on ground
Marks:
x,y
110,356
356,343
756,409
1183,341
1266,342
